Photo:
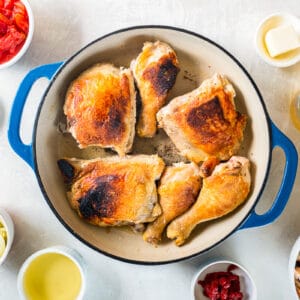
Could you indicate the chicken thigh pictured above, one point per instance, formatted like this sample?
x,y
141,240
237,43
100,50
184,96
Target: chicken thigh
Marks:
x,y
204,124
178,189
100,107
221,193
114,191
155,71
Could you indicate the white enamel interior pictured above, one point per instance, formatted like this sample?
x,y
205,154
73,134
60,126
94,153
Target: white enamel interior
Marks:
x,y
199,59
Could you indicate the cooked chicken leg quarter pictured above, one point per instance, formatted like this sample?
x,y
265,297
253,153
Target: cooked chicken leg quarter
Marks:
x,y
178,190
222,192
100,108
114,191
155,71
204,124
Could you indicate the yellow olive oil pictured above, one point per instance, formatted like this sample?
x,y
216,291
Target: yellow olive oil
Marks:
x,y
52,276
295,110
3,239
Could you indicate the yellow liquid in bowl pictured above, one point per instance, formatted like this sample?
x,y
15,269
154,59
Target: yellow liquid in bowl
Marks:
x,y
295,110
52,276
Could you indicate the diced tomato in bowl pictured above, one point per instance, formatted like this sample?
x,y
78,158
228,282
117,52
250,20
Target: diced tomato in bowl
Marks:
x,y
223,280
16,30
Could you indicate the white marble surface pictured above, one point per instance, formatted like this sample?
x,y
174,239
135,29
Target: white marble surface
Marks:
x,y
62,27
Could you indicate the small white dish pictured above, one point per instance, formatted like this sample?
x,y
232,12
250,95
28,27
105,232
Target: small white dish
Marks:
x,y
23,50
295,110
46,270
274,21
291,268
8,224
247,285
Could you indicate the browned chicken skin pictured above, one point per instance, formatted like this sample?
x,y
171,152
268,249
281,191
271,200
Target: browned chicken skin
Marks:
x,y
155,71
204,124
114,191
221,193
178,189
100,107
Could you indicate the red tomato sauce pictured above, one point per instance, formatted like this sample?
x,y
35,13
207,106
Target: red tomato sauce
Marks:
x,y
222,285
14,25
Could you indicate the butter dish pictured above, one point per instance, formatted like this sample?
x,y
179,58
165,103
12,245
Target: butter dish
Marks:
x,y
277,40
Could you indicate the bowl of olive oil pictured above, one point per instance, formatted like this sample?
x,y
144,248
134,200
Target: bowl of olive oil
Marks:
x,y
53,273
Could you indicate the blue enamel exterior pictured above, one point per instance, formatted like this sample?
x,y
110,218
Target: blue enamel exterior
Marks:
x,y
23,150
277,138
286,186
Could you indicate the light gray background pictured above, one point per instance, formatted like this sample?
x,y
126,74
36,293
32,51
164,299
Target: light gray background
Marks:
x,y
63,27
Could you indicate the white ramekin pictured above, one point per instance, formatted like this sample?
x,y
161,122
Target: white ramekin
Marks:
x,y
272,21
248,287
7,222
22,51
291,268
68,252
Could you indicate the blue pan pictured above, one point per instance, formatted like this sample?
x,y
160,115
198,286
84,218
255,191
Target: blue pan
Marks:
x,y
199,56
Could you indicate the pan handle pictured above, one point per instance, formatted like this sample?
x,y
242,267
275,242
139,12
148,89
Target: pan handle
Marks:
x,y
286,186
23,150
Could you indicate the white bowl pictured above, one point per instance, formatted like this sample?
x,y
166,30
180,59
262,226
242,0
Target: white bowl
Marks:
x,y
22,51
292,261
272,21
7,222
68,252
247,285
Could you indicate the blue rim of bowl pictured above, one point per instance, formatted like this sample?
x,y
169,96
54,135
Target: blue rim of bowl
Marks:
x,y
36,170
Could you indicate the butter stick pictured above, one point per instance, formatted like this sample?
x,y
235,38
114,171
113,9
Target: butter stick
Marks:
x,y
281,40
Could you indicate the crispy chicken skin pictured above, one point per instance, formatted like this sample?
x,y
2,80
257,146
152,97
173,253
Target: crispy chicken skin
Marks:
x,y
297,275
204,124
221,193
100,107
114,191
178,189
155,71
